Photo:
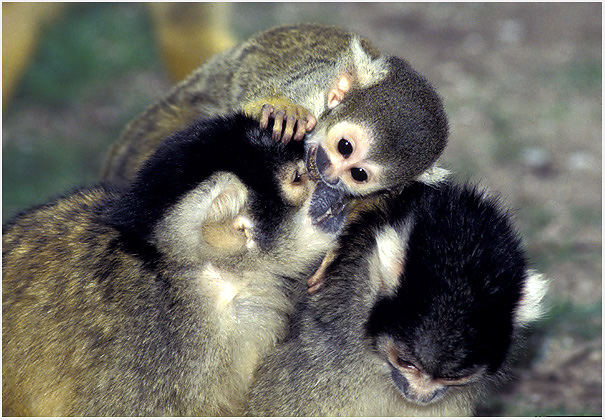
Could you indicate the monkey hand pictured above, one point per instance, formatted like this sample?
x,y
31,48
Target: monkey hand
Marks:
x,y
282,109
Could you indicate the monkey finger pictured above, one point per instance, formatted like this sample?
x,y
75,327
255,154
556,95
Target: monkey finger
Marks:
x,y
314,288
277,125
300,129
311,121
289,130
265,113
316,278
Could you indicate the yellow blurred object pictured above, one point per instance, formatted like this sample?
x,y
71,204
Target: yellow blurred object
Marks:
x,y
187,33
21,23
190,33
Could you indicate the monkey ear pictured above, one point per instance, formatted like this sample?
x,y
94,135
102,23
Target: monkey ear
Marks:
x,y
226,226
531,306
227,198
339,91
367,70
209,221
362,69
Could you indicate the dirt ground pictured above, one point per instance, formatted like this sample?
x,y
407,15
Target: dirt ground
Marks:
x,y
521,85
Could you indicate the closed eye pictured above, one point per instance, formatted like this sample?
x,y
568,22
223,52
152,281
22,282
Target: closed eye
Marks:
x,y
402,363
461,381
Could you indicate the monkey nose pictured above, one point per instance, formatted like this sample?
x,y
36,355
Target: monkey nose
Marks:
x,y
323,162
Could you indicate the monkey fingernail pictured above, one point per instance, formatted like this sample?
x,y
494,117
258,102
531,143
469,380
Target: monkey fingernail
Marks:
x,y
286,138
314,288
314,281
289,130
300,133
265,113
311,121
264,120
277,128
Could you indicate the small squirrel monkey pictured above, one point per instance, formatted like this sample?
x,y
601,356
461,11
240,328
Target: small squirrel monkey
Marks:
x,y
376,123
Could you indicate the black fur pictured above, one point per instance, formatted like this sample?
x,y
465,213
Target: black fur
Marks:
x,y
463,276
233,144
452,311
462,280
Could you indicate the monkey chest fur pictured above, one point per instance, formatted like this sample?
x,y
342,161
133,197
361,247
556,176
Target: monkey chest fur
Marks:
x,y
247,314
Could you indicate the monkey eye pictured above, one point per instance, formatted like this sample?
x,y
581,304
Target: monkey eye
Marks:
x,y
345,147
359,174
405,364
297,177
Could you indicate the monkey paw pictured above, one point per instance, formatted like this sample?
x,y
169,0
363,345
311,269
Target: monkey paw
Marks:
x,y
297,119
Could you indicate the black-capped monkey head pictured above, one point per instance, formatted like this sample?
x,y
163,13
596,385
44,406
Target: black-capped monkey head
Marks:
x,y
456,291
222,190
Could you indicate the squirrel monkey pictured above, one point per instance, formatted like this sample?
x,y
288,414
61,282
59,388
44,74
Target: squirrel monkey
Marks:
x,y
421,307
376,123
159,299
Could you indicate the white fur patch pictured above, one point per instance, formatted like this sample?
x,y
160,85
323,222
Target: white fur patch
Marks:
x,y
434,175
228,198
391,247
531,306
225,291
368,71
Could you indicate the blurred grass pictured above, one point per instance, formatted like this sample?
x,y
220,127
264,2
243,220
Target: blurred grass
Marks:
x,y
517,408
583,74
88,45
89,48
60,166
569,319
546,254
506,146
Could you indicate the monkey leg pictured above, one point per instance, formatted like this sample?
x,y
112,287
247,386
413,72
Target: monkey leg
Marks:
x,y
282,109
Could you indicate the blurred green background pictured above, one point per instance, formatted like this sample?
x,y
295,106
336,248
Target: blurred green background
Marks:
x,y
522,88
